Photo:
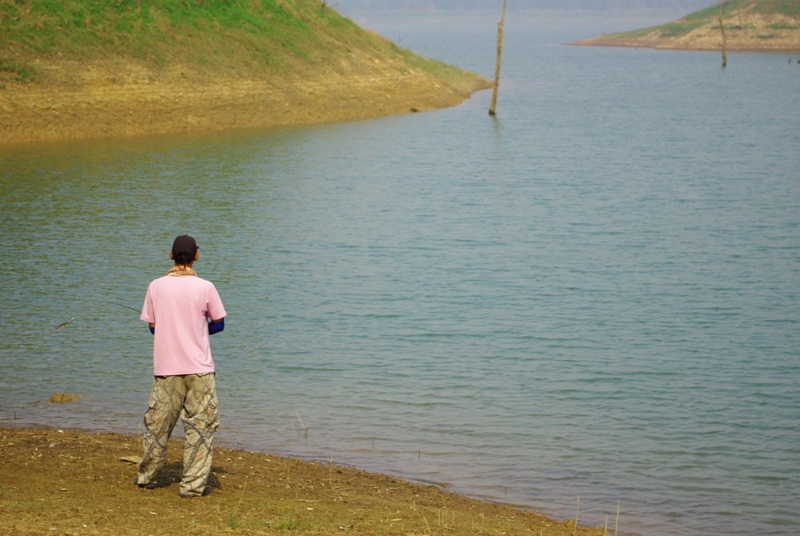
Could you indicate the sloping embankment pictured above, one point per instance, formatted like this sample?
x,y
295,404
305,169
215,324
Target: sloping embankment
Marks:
x,y
104,100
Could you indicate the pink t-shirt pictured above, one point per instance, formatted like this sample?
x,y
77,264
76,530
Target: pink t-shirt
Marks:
x,y
180,307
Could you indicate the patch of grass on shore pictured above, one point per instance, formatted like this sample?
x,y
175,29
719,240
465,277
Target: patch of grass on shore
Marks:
x,y
783,26
19,72
681,27
789,8
166,30
702,17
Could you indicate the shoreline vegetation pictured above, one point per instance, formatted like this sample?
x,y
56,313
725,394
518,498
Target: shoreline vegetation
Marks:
x,y
750,26
80,70
75,482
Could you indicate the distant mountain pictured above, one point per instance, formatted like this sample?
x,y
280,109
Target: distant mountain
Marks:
x,y
749,25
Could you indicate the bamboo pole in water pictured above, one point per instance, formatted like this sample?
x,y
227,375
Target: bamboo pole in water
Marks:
x,y
493,105
724,38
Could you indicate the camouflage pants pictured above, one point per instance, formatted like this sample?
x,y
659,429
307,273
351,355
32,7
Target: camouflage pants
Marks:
x,y
193,398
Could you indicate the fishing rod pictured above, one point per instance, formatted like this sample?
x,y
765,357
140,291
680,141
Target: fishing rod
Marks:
x,y
125,306
62,324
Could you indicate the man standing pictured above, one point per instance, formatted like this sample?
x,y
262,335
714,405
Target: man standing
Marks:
x,y
182,310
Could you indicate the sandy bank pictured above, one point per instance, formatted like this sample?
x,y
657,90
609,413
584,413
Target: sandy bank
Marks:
x,y
68,482
92,101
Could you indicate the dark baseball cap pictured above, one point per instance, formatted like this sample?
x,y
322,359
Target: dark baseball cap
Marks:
x,y
184,244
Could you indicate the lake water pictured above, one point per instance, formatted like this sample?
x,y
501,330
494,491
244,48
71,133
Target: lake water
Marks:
x,y
595,295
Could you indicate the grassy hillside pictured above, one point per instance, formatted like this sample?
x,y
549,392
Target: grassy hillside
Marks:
x,y
75,69
237,37
749,25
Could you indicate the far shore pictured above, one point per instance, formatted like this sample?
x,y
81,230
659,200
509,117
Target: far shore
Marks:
x,y
622,42
75,482
746,32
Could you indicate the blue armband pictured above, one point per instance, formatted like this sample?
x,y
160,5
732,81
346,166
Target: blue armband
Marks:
x,y
216,327
152,329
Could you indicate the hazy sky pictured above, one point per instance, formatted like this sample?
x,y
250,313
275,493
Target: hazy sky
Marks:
x,y
680,7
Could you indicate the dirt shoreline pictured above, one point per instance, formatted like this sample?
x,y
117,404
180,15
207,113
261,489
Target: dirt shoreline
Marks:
x,y
78,101
708,44
74,482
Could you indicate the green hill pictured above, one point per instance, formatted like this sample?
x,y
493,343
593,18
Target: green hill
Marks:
x,y
749,25
232,36
113,52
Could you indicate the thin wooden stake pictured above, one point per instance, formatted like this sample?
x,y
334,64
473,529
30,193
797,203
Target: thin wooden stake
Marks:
x,y
616,524
577,510
724,38
493,105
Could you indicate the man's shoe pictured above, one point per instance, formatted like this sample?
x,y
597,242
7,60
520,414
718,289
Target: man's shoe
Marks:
x,y
149,485
206,491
